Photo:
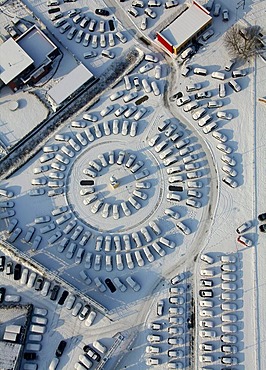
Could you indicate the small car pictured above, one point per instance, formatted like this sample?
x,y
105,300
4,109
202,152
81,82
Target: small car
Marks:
x,y
225,15
84,312
60,349
102,12
224,115
206,35
244,227
247,242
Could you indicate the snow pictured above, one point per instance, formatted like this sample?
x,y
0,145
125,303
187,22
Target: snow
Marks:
x,y
213,225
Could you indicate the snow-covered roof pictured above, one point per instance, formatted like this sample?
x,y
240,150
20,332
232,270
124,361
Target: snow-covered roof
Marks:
x,y
186,25
70,83
13,60
36,44
9,354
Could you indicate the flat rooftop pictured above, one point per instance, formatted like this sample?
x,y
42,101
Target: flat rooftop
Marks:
x,y
70,83
36,45
13,60
186,25
9,355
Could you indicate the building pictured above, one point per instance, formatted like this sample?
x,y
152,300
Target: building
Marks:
x,y
185,28
26,59
10,355
69,86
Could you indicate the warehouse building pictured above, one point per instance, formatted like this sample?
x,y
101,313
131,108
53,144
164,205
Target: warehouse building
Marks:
x,y
69,86
185,28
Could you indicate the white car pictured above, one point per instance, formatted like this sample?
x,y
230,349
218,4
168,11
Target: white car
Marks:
x,y
127,98
224,148
183,100
90,319
185,229
169,212
140,114
144,23
154,140
224,115
133,284
106,110
130,112
147,67
116,95
229,171
133,129
120,110
90,117
243,240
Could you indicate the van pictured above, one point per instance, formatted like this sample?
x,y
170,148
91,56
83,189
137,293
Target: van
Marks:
x,y
200,71
218,75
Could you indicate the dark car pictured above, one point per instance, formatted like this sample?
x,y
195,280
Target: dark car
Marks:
x,y
110,285
17,271
53,10
2,294
29,355
206,293
177,95
263,228
86,182
39,283
261,217
91,353
102,12
63,297
9,268
60,349
111,25
54,292
2,263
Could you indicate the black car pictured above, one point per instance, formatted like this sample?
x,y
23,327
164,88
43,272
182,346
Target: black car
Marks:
x,y
63,297
17,271
39,283
111,25
110,285
60,349
54,292
86,182
206,293
262,217
29,355
2,294
102,12
2,263
53,10
263,228
91,353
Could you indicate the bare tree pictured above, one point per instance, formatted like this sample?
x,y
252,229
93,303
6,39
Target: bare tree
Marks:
x,y
243,43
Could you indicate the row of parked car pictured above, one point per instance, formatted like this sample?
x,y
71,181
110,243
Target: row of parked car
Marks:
x,y
205,119
173,144
176,327
228,307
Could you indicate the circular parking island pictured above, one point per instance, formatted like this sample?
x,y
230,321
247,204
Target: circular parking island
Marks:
x,y
106,190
